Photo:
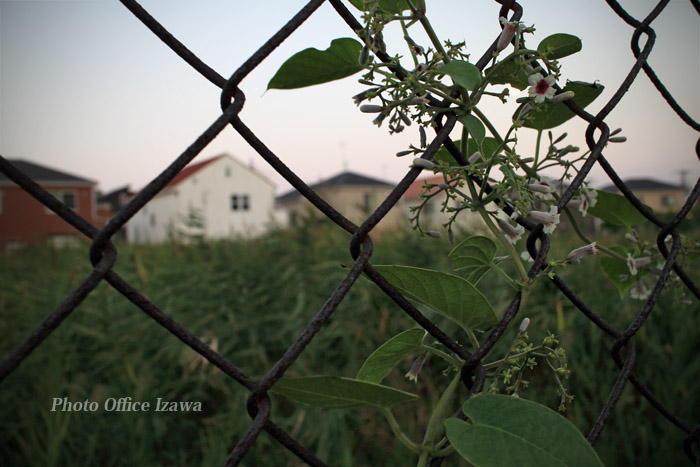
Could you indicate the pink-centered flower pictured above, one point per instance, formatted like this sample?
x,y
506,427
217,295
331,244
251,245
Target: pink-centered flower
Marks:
x,y
541,88
513,234
550,219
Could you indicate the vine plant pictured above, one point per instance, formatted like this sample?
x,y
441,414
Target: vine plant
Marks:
x,y
493,177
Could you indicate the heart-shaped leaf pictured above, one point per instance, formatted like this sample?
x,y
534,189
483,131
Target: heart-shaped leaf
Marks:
x,y
615,209
559,45
312,66
447,294
505,430
507,73
385,358
463,73
474,256
339,393
547,115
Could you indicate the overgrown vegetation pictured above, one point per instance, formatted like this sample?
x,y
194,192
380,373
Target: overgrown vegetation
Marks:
x,y
250,300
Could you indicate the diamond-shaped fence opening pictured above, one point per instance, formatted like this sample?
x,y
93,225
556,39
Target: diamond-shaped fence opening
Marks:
x,y
259,406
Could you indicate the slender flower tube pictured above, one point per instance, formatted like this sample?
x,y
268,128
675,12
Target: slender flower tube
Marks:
x,y
473,159
540,187
509,29
541,88
575,256
635,263
433,233
563,96
371,108
513,234
415,370
550,219
424,163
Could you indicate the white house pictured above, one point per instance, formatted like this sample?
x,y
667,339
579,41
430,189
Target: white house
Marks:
x,y
216,198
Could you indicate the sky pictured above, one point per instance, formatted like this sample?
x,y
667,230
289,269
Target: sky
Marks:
x,y
89,90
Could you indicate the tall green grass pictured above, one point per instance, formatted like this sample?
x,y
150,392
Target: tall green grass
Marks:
x,y
251,299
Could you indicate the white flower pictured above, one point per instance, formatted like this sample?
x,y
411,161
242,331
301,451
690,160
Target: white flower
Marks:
x,y
513,234
525,255
507,34
415,370
541,88
635,263
640,291
550,219
575,256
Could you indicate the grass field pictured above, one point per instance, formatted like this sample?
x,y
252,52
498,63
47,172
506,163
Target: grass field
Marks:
x,y
250,300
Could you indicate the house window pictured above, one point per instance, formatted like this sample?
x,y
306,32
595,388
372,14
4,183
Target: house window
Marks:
x,y
668,200
66,197
369,201
227,171
240,202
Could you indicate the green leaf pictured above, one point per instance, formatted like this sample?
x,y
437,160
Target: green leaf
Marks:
x,y
390,6
508,73
474,127
474,256
509,431
547,115
385,358
447,294
488,149
558,46
339,393
463,73
615,209
312,66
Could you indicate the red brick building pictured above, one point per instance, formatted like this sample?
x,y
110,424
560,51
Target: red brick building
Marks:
x,y
24,220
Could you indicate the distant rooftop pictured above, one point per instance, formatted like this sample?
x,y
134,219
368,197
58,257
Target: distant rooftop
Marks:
x,y
343,179
642,184
42,174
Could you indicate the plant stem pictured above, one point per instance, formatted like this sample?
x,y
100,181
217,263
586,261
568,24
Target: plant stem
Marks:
x,y
455,362
436,420
398,433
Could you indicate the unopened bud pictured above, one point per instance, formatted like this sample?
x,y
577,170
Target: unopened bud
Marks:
x,y
364,56
561,138
423,138
474,158
616,131
451,237
617,139
371,108
540,187
527,160
404,153
405,119
433,233
443,186
563,96
424,163
506,35
419,100
524,324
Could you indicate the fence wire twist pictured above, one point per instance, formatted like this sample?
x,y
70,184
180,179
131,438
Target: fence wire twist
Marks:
x,y
103,253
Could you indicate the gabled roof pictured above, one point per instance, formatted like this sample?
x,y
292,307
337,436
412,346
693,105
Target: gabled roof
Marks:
x,y
192,169
41,174
416,187
340,180
644,184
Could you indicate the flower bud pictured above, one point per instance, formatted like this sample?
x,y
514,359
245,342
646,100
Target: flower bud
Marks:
x,y
405,119
506,35
433,233
540,187
524,324
404,153
616,131
423,163
371,108
563,96
423,138
443,186
561,138
617,139
364,56
474,158
418,100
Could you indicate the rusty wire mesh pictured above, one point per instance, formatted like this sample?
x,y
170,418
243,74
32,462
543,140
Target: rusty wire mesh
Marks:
x,y
103,253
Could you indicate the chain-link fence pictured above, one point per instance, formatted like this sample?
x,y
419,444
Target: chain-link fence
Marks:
x,y
103,252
